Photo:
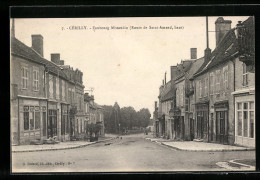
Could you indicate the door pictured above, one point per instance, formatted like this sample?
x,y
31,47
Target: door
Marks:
x,y
52,123
191,129
221,127
200,125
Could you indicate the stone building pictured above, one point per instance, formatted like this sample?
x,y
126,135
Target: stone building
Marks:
x,y
244,92
94,112
41,99
220,107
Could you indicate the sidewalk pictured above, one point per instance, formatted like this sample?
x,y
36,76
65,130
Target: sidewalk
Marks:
x,y
59,146
198,146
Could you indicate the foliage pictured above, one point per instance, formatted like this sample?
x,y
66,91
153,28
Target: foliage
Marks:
x,y
127,117
93,128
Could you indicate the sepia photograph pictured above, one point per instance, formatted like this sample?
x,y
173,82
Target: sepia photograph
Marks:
x,y
132,94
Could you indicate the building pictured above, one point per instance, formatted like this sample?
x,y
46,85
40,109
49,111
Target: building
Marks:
x,y
163,124
244,92
94,113
41,101
220,106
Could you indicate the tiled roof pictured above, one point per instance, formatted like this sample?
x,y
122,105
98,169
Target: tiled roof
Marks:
x,y
182,70
20,49
168,96
223,52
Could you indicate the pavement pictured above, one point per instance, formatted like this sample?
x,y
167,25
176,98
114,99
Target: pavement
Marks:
x,y
131,153
199,146
59,146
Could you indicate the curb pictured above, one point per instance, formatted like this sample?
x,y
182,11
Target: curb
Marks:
x,y
55,149
221,150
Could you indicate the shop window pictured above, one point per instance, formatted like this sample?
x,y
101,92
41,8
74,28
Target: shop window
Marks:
x,y
245,119
251,125
37,120
239,123
26,120
67,124
245,115
44,123
251,119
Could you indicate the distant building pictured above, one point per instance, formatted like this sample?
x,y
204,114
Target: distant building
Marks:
x,y
94,113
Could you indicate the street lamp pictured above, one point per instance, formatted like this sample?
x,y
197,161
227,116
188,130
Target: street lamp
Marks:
x,y
118,128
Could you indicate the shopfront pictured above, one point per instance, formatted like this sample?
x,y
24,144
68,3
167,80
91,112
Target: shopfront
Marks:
x,y
178,124
32,119
245,120
52,123
65,122
222,125
202,117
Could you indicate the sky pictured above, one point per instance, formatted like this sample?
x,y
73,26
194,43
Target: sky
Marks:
x,y
123,65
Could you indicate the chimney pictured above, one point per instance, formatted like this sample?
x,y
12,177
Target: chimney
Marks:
x,y
207,51
173,72
37,43
55,58
193,53
165,78
61,62
221,27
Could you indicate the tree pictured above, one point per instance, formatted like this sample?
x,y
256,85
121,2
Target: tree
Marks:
x,y
93,129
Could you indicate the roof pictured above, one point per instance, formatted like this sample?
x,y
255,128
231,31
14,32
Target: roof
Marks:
x,y
20,49
168,96
224,51
183,69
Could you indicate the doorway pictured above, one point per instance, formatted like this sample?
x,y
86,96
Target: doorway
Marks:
x,y
191,129
52,123
221,127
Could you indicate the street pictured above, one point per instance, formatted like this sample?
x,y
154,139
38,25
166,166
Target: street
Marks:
x,y
131,153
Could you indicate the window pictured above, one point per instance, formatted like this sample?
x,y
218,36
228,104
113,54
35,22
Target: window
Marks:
x,y
57,89
44,123
37,120
50,86
35,79
211,83
225,77
245,75
26,117
200,89
64,120
25,76
245,119
217,81
32,117
63,90
206,87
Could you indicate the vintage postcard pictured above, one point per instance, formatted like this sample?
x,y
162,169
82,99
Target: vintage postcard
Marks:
x,y
142,94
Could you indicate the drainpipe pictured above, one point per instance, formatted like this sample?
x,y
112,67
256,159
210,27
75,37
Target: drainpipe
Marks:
x,y
234,66
18,122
